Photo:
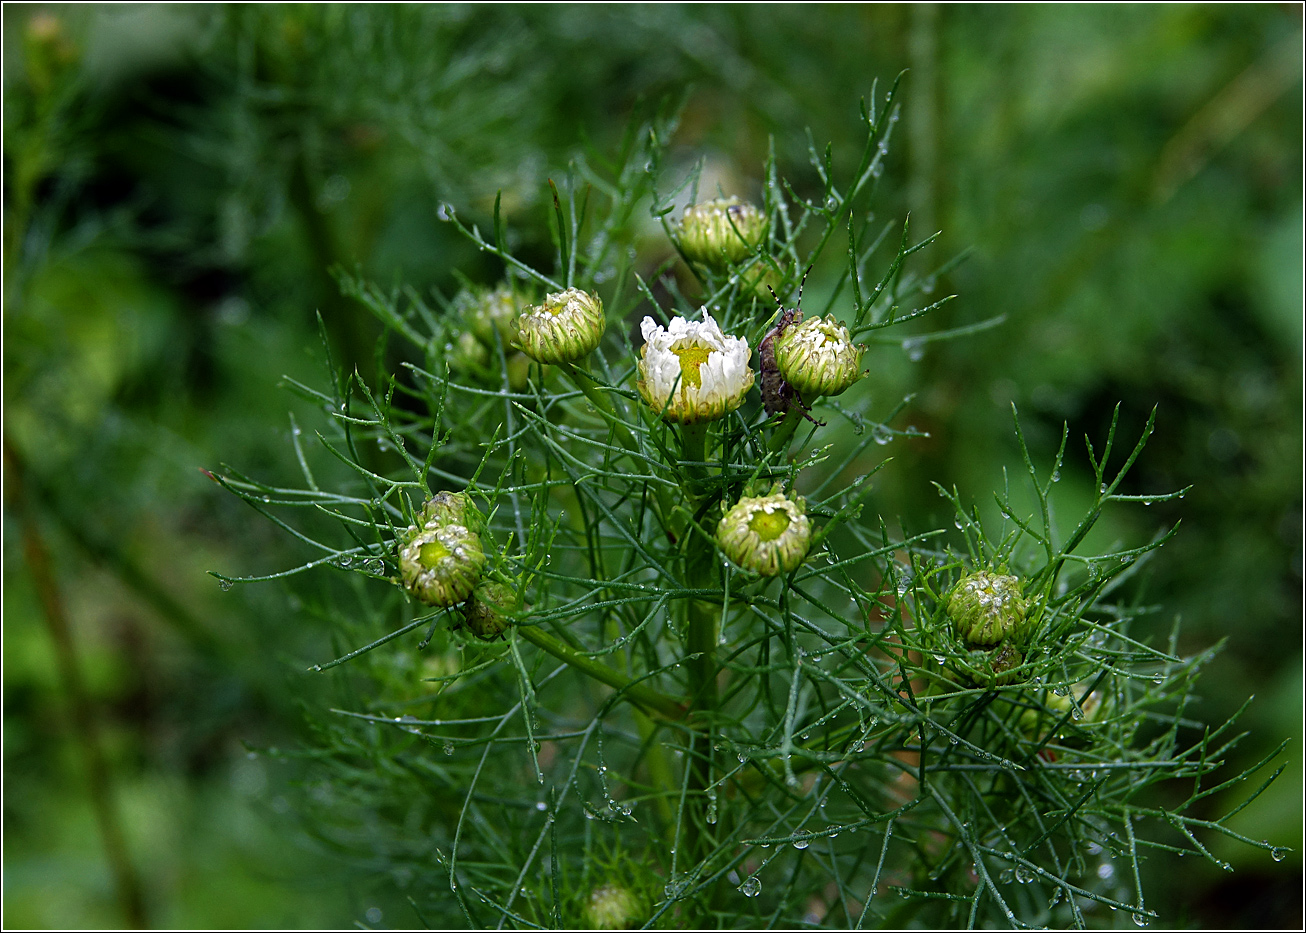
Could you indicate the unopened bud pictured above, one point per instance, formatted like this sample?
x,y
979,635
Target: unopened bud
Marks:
x,y
451,508
986,608
488,310
612,907
721,232
488,611
441,564
818,357
768,535
563,328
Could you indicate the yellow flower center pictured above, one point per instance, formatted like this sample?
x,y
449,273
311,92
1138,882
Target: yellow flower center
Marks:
x,y
691,358
431,553
769,525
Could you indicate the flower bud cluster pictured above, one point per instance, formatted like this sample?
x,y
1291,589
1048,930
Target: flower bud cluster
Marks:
x,y
768,535
442,563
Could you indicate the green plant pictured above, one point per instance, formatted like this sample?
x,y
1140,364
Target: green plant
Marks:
x,y
818,737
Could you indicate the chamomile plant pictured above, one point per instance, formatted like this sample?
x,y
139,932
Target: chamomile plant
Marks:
x,y
620,645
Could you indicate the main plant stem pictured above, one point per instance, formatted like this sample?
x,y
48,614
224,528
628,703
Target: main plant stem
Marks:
x,y
702,630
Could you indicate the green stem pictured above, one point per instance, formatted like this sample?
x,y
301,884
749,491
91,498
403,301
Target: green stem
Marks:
x,y
702,629
640,694
785,432
594,392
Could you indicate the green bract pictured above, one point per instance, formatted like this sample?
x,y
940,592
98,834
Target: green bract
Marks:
x,y
818,357
986,608
563,328
768,535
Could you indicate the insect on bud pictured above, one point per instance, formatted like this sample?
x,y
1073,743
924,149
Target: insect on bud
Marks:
x,y
720,232
818,357
612,907
986,608
768,535
563,328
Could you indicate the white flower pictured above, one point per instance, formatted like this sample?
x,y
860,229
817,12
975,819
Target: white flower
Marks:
x,y
690,371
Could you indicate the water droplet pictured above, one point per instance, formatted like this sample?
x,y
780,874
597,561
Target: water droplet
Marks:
x,y
1024,875
448,748
710,815
224,585
1278,854
751,887
445,211
541,805
801,843
1140,920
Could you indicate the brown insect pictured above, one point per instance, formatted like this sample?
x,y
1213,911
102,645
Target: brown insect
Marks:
x,y
779,396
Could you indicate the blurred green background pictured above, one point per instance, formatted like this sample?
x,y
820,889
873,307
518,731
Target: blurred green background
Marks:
x,y
177,181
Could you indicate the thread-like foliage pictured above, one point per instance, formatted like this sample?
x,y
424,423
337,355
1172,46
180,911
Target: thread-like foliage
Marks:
x,y
817,748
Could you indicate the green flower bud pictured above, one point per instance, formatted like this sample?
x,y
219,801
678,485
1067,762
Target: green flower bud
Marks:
x,y
519,370
486,311
487,613
761,281
720,232
997,667
563,328
612,907
440,564
986,608
818,357
768,535
451,508
467,354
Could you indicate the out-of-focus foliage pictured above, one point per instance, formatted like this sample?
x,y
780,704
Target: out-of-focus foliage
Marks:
x,y
178,181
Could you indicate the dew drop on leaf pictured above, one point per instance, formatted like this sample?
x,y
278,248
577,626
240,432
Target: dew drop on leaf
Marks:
x,y
751,887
